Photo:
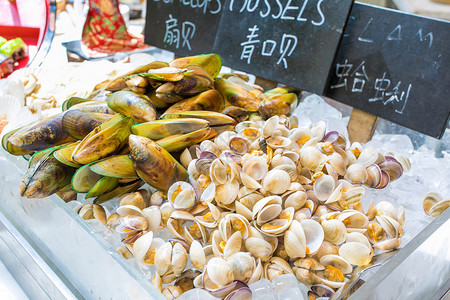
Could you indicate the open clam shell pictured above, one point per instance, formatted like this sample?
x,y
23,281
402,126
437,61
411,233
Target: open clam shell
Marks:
x,y
355,253
295,240
439,208
334,231
181,195
324,187
430,200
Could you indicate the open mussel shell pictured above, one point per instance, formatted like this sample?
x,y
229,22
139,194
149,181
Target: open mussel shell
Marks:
x,y
73,101
45,177
195,81
155,165
117,166
238,95
182,141
104,185
41,134
103,142
64,155
170,74
278,105
212,63
78,123
121,189
84,179
159,129
10,148
214,118
210,100
94,106
134,105
118,83
157,102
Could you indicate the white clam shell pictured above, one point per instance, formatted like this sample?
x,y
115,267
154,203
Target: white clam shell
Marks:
x,y
334,231
386,208
259,248
179,259
355,253
256,167
153,216
243,211
324,187
257,273
367,157
337,262
128,209
163,258
219,271
276,182
439,208
268,213
270,126
296,200
353,195
295,241
311,157
208,193
197,255
358,237
318,130
314,235
353,219
388,244
390,225
144,245
356,173
249,182
242,265
227,193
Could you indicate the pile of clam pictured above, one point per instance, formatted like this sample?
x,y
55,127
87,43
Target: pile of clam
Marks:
x,y
264,200
245,193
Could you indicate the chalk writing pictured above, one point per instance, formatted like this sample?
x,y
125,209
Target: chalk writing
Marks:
x,y
173,35
287,46
355,79
395,34
282,11
206,6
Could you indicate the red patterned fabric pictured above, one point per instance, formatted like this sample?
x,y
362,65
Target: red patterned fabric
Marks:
x,y
105,30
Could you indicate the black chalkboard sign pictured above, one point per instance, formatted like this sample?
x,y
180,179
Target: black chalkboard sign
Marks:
x,y
290,41
184,27
396,66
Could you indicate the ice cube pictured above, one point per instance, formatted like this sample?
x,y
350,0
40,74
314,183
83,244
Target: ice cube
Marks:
x,y
196,294
283,282
262,290
293,293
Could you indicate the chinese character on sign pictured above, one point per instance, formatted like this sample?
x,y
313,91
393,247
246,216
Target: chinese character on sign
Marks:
x,y
360,77
172,35
249,45
288,44
386,96
344,75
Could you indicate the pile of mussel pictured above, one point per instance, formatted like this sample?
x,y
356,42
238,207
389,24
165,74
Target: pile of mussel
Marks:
x,y
244,191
